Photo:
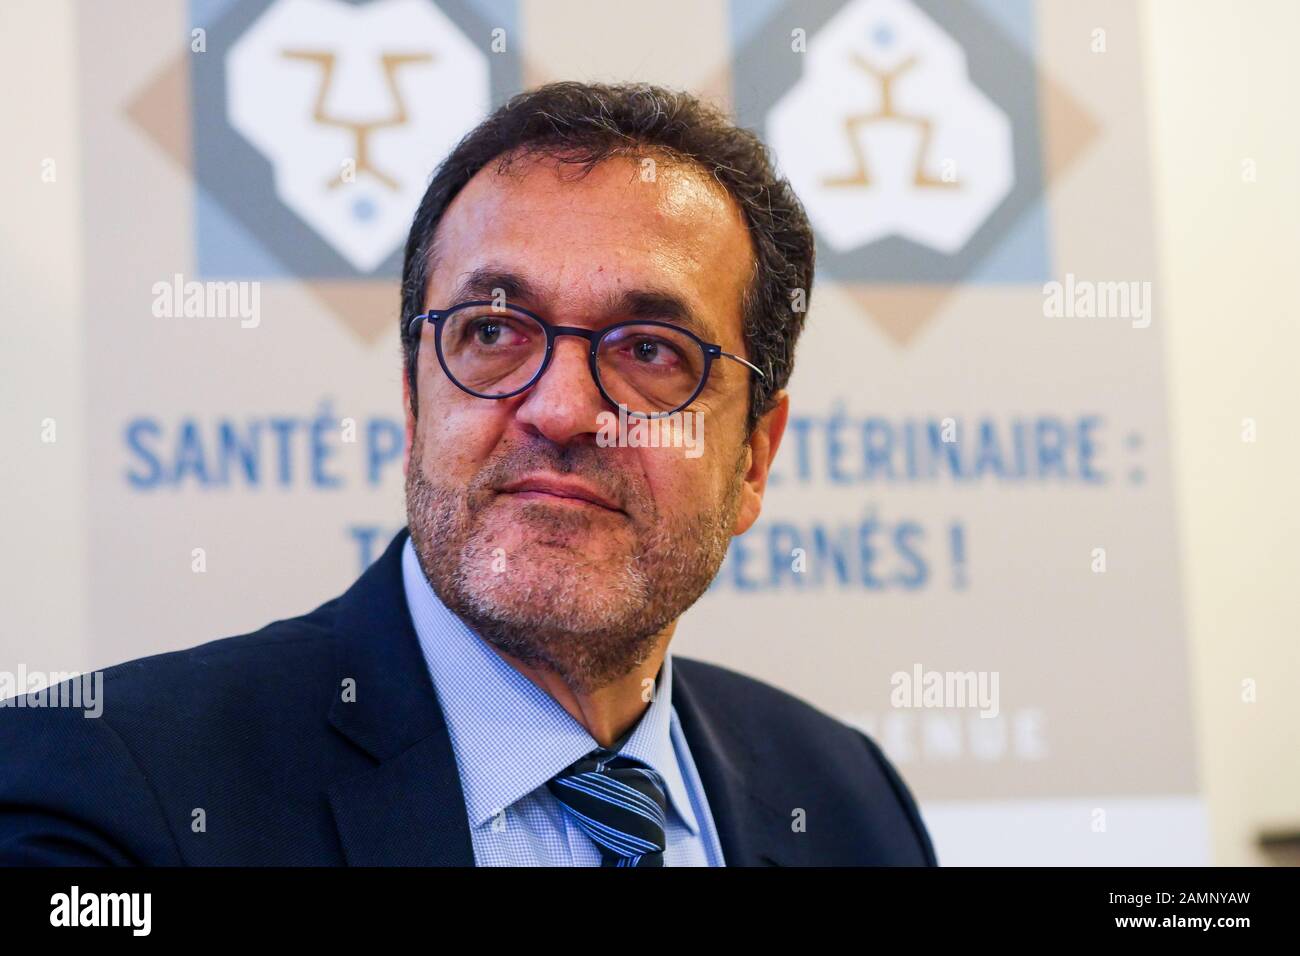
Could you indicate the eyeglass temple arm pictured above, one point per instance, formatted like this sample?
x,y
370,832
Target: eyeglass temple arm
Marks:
x,y
749,365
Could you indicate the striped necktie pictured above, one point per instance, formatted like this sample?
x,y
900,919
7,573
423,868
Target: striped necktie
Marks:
x,y
619,802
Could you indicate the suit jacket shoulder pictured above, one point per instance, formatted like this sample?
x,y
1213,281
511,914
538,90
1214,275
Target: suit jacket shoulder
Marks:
x,y
187,763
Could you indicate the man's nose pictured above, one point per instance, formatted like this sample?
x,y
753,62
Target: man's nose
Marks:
x,y
564,403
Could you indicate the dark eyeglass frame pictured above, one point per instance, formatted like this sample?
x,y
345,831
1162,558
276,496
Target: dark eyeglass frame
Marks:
x,y
710,350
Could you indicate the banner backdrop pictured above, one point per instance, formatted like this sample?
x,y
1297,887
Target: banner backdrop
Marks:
x,y
968,549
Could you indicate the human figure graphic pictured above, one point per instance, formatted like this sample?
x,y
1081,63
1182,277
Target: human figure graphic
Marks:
x,y
860,175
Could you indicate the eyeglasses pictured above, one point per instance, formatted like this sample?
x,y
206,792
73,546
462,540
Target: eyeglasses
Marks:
x,y
652,369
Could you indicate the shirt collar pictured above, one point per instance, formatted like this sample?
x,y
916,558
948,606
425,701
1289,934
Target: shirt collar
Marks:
x,y
510,736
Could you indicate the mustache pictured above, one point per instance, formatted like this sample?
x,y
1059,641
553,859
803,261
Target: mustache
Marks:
x,y
586,462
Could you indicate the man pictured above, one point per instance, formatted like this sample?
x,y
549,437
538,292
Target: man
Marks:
x,y
497,689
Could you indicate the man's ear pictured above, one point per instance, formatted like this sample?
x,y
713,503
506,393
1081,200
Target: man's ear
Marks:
x,y
410,422
761,449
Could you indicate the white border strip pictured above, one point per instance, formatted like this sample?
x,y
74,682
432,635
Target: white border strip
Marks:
x,y
1138,831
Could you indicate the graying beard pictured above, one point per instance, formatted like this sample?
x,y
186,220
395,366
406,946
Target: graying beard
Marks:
x,y
584,653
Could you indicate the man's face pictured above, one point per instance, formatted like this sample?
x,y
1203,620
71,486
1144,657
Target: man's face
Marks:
x,y
499,492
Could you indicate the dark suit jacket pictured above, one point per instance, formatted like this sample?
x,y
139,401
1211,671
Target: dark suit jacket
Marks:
x,y
251,738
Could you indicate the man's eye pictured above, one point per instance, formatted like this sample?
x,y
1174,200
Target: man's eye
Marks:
x,y
495,333
654,352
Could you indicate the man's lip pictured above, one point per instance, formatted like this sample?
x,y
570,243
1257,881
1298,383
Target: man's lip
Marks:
x,y
560,488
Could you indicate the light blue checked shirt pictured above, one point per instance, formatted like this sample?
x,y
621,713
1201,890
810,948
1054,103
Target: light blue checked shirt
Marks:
x,y
510,737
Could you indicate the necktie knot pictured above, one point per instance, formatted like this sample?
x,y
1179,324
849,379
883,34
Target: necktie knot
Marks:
x,y
619,802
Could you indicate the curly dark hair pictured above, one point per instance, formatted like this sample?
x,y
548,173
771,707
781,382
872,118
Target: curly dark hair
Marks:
x,y
587,123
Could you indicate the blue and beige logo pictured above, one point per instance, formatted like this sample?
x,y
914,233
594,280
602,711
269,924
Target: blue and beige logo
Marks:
x,y
913,132
314,128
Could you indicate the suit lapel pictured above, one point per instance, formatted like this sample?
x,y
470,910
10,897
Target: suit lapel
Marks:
x,y
399,814
754,827
408,810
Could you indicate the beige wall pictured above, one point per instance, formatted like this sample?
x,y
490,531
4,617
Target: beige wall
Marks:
x,y
42,486
1222,83
1222,79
